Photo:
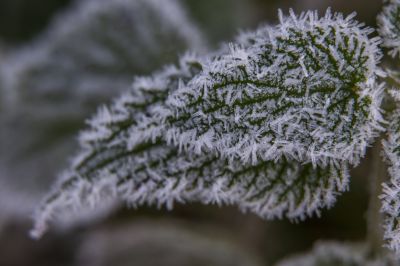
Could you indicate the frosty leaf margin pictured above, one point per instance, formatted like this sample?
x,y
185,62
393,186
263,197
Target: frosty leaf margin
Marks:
x,y
271,125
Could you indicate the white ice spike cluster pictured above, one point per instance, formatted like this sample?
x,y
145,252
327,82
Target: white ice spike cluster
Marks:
x,y
306,90
389,29
89,53
389,26
391,189
271,125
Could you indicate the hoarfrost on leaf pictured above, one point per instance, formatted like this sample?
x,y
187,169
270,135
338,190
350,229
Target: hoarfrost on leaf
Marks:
x,y
389,26
391,189
306,90
270,124
89,53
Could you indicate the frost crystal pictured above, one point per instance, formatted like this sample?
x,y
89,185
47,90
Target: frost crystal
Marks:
x,y
389,26
306,90
89,53
270,126
391,189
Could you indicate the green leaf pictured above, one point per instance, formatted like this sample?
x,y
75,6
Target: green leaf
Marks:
x,y
270,125
88,54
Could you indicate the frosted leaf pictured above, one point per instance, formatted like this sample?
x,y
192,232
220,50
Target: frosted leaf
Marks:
x,y
306,90
338,254
155,174
393,78
108,137
89,53
391,189
125,156
389,26
270,126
